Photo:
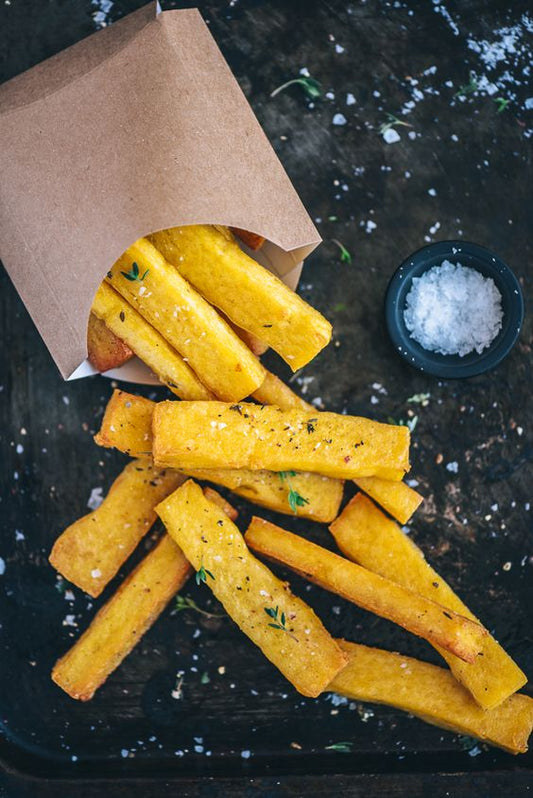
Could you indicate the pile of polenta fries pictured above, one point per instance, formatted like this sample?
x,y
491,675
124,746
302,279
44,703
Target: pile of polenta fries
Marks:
x,y
199,310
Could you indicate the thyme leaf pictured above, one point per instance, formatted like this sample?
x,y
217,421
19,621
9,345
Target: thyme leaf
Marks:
x,y
202,573
187,603
392,121
310,86
280,620
133,275
345,256
343,747
296,500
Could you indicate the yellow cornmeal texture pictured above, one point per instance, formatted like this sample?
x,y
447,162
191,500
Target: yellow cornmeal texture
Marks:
x,y
369,538
433,695
250,295
123,320
127,426
218,435
120,624
286,630
91,550
190,325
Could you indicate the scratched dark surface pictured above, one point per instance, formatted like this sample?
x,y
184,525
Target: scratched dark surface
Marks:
x,y
462,169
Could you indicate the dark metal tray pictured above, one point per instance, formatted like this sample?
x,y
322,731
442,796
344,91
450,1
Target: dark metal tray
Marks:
x,y
250,729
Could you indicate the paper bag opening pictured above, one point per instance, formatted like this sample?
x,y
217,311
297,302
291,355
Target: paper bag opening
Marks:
x,y
149,131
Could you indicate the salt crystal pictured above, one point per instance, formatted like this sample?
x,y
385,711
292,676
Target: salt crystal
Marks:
x,y
95,499
452,309
391,136
339,119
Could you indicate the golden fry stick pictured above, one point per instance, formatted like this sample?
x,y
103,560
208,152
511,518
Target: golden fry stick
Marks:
x,y
252,240
121,623
286,630
104,349
215,497
415,613
433,695
250,295
128,614
190,435
124,321
91,550
291,493
273,391
367,536
256,346
396,498
127,426
190,325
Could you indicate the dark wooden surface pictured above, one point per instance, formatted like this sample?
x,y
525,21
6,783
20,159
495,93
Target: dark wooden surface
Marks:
x,y
472,443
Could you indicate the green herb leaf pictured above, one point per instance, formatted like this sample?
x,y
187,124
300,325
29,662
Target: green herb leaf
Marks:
x,y
204,678
310,86
392,121
281,622
187,603
502,104
343,748
296,500
283,475
468,88
202,573
410,423
419,399
339,307
346,256
133,274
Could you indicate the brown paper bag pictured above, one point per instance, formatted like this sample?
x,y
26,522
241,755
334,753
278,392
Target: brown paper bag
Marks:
x,y
139,127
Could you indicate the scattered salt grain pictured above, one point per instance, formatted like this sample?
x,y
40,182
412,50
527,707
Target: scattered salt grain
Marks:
x,y
339,119
452,309
246,754
452,467
350,99
95,499
20,448
391,136
2,566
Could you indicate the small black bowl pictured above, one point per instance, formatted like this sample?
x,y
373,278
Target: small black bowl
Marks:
x,y
468,254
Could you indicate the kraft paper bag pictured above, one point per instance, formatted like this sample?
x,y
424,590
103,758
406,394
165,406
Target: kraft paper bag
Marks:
x,y
137,128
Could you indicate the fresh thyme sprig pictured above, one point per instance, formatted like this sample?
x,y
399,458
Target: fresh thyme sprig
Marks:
x,y
279,621
202,573
343,747
393,121
410,423
467,88
419,399
294,498
133,275
502,103
187,603
310,86
346,256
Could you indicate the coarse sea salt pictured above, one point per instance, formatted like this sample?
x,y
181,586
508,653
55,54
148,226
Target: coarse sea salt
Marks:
x,y
453,309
